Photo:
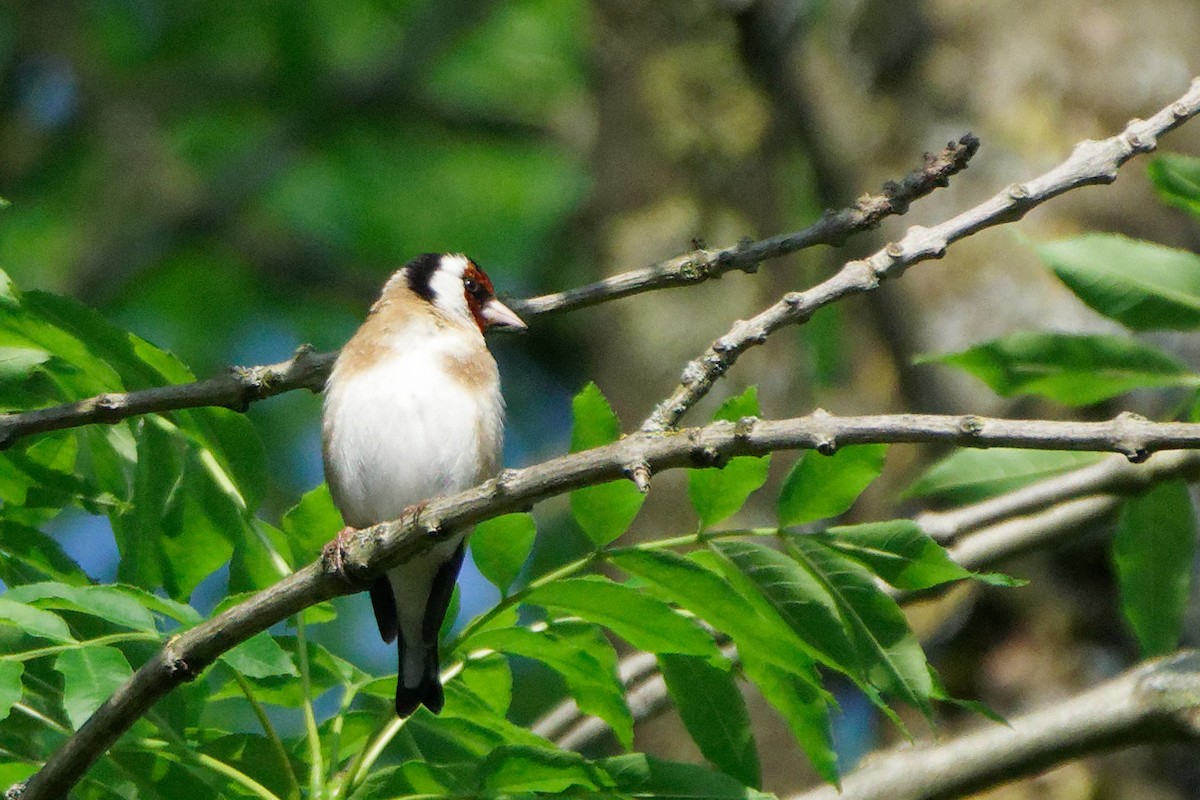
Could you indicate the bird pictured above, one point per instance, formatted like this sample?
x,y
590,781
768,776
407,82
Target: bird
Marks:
x,y
413,410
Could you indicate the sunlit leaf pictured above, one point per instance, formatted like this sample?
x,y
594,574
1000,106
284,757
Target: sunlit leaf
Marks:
x,y
718,494
970,475
590,674
490,679
16,362
643,621
260,656
106,602
34,621
10,685
818,486
1140,284
311,524
501,546
604,512
1177,180
1074,369
90,676
834,604
515,769
900,553
1153,550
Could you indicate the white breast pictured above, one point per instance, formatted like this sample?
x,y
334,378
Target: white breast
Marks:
x,y
407,429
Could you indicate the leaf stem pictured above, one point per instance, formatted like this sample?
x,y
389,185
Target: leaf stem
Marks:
x,y
316,768
272,735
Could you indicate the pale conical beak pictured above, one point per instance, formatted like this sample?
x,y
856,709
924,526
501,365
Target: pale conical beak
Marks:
x,y
497,314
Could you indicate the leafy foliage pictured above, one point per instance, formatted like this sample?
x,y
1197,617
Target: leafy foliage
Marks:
x,y
1142,285
1072,369
1154,549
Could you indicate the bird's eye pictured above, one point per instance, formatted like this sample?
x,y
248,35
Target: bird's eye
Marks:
x,y
475,289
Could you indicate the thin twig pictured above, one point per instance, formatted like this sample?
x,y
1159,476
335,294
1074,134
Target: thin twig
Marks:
x,y
1091,162
380,547
833,228
240,386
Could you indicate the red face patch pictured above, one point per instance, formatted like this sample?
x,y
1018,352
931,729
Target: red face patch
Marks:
x,y
477,289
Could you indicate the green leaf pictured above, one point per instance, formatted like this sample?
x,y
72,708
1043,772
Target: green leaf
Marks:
x,y
711,597
604,512
17,362
969,475
590,673
10,685
490,679
28,555
90,676
819,487
408,779
834,604
1153,550
501,546
886,646
1142,285
1072,369
1177,180
260,656
900,553
719,493
640,775
646,623
106,602
515,769
802,704
16,772
325,671
310,524
714,712
34,621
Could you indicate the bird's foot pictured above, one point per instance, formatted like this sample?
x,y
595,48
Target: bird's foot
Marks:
x,y
413,513
333,553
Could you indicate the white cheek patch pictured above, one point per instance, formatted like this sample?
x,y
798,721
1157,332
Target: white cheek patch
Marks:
x,y
447,286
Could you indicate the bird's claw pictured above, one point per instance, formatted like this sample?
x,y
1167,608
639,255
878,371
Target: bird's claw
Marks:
x,y
413,513
333,553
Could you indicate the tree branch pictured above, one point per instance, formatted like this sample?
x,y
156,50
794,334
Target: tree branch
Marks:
x,y
1110,476
1091,162
833,229
380,547
240,386
1155,701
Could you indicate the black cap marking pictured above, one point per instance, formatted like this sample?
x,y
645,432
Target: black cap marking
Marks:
x,y
420,272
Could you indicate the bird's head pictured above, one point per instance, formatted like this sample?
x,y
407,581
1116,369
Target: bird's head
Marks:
x,y
457,286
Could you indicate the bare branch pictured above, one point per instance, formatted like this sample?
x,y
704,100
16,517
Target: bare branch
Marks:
x,y
1153,702
833,228
1110,476
1091,162
241,386
382,546
235,389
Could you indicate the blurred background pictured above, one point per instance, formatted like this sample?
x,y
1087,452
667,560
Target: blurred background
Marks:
x,y
230,180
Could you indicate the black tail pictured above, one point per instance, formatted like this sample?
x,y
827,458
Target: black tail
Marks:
x,y
428,692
